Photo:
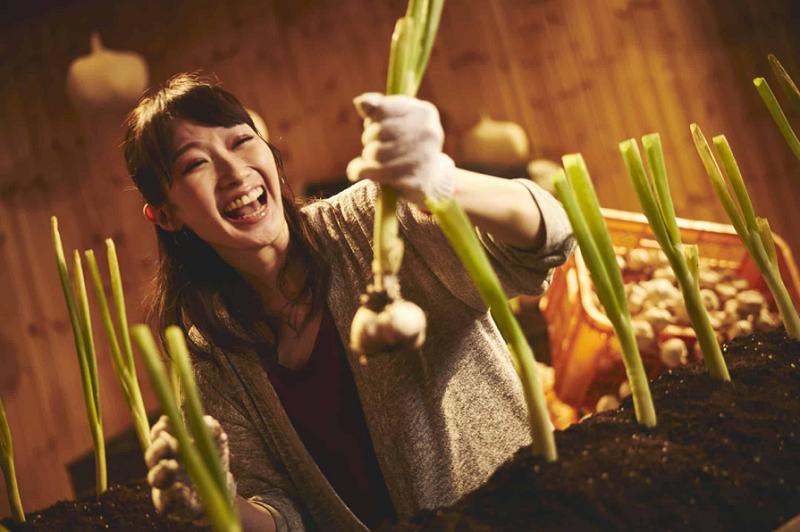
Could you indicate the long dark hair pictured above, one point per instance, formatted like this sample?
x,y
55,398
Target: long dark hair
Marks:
x,y
194,286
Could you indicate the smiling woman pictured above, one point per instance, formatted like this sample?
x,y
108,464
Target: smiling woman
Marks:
x,y
266,288
193,152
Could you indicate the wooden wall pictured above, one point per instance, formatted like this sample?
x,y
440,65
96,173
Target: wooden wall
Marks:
x,y
579,75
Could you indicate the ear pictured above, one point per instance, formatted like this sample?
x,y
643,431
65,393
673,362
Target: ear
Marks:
x,y
161,217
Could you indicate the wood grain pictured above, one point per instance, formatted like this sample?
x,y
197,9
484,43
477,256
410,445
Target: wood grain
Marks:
x,y
579,76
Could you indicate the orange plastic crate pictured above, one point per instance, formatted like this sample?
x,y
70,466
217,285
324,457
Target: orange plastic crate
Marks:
x,y
583,347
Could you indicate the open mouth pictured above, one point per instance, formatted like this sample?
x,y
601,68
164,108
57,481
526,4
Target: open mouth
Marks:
x,y
247,207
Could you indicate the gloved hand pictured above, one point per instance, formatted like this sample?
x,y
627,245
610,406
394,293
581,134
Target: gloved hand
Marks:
x,y
403,147
174,494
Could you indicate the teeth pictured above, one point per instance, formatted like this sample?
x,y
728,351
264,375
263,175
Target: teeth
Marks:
x,y
244,200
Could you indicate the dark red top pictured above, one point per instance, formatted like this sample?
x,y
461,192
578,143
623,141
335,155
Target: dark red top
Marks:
x,y
323,404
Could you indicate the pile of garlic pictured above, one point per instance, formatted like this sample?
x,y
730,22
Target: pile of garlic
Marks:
x,y
659,316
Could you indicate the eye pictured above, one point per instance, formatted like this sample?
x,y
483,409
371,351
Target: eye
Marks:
x,y
242,140
192,165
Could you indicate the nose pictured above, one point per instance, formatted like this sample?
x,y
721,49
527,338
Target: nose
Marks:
x,y
232,171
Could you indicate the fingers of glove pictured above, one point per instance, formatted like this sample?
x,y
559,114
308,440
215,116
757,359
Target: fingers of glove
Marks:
x,y
368,104
385,130
383,152
405,130
163,474
179,502
159,426
165,446
220,438
386,174
376,106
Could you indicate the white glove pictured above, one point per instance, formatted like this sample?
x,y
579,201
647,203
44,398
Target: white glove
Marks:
x,y
403,141
174,494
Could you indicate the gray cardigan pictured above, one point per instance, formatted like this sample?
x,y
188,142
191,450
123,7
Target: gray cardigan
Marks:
x,y
442,420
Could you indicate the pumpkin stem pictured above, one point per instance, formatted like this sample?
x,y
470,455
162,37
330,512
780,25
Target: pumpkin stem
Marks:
x,y
95,43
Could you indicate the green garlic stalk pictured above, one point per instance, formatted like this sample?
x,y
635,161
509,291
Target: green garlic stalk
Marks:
x,y
786,82
199,456
777,114
84,345
459,230
753,231
7,467
591,233
124,368
684,261
385,322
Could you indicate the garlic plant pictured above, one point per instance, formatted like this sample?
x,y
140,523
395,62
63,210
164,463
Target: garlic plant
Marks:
x,y
591,233
7,467
200,456
460,232
684,261
753,231
775,108
124,368
385,322
84,345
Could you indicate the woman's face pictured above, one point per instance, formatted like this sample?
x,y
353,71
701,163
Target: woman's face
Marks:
x,y
226,187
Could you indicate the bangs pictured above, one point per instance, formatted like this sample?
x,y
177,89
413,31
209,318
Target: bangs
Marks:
x,y
149,145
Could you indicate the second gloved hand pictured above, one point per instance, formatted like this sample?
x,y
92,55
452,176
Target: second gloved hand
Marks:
x,y
403,141
174,494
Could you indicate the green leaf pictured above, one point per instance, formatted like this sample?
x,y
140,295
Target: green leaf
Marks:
x,y
777,114
786,82
589,205
641,185
655,159
732,170
719,185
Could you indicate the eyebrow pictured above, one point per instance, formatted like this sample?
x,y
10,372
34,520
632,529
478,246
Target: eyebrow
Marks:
x,y
183,150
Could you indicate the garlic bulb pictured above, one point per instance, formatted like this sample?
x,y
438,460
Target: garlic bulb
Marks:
x,y
386,323
106,80
710,299
740,328
607,402
674,352
766,321
750,302
540,170
725,291
495,143
645,336
658,318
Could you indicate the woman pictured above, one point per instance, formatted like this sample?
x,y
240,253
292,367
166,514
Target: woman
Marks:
x,y
268,290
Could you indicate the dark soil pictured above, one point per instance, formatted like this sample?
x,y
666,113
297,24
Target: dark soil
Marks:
x,y
724,456
123,508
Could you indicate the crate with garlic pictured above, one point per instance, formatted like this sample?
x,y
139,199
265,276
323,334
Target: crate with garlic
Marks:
x,y
585,354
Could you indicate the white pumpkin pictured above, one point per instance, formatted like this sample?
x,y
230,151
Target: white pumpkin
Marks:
x,y
106,79
495,143
261,126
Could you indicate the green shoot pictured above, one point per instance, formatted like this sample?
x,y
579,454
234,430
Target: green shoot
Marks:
x,y
84,345
788,86
411,46
200,456
7,467
777,114
661,217
591,233
459,230
124,368
754,232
